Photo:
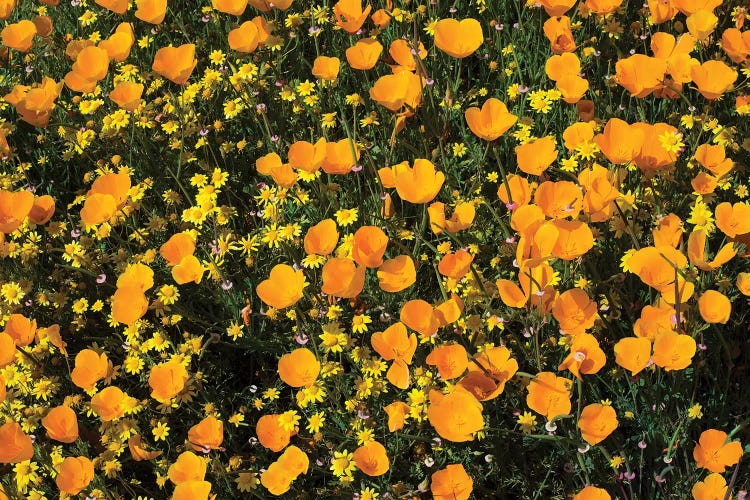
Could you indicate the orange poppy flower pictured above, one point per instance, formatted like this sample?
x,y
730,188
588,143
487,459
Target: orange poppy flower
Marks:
x,y
192,490
245,38
129,304
138,452
265,164
673,351
458,38
652,155
592,493
299,368
372,459
575,311
151,11
397,413
342,278
115,185
556,8
549,395
520,190
116,6
713,487
620,142
381,18
207,434
21,329
633,353
90,67
451,360
419,316
306,156
401,52
350,16
15,445
177,247
530,281
640,74
714,307
276,479
394,344
35,104
713,158
326,68
294,460
74,474
167,380
701,24
283,288
597,421
574,239
61,424
654,321
234,7
572,88
175,63
397,274
535,156
559,200
455,265
419,184
656,266
713,78
455,416
7,350
138,276
488,373
743,285
491,121
321,239
558,67
689,7
661,11
42,210
341,157
393,92
585,357
109,403
733,219
267,5
90,367
14,208
696,250
558,32
449,311
462,217
364,54
98,208
187,467
6,7
451,483
284,176
668,232
736,44
271,434
19,36
370,243
714,453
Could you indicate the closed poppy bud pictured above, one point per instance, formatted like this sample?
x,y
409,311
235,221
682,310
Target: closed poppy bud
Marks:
x,y
109,403
490,122
7,349
127,95
419,184
129,304
306,156
558,32
733,219
21,329
397,274
455,416
151,11
702,23
364,54
397,412
19,36
300,368
549,395
43,25
74,475
349,15
458,38
535,156
14,208
187,467
714,453
714,307
673,351
175,63
451,360
283,288
597,421
713,487
372,459
42,210
370,243
137,450
207,434
234,7
743,284
116,6
633,354
326,68
585,109
61,424
271,434
15,445
321,239
713,78
192,490
167,380
592,493
244,39
451,483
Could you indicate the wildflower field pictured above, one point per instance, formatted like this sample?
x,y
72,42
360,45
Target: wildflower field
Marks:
x,y
374,249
